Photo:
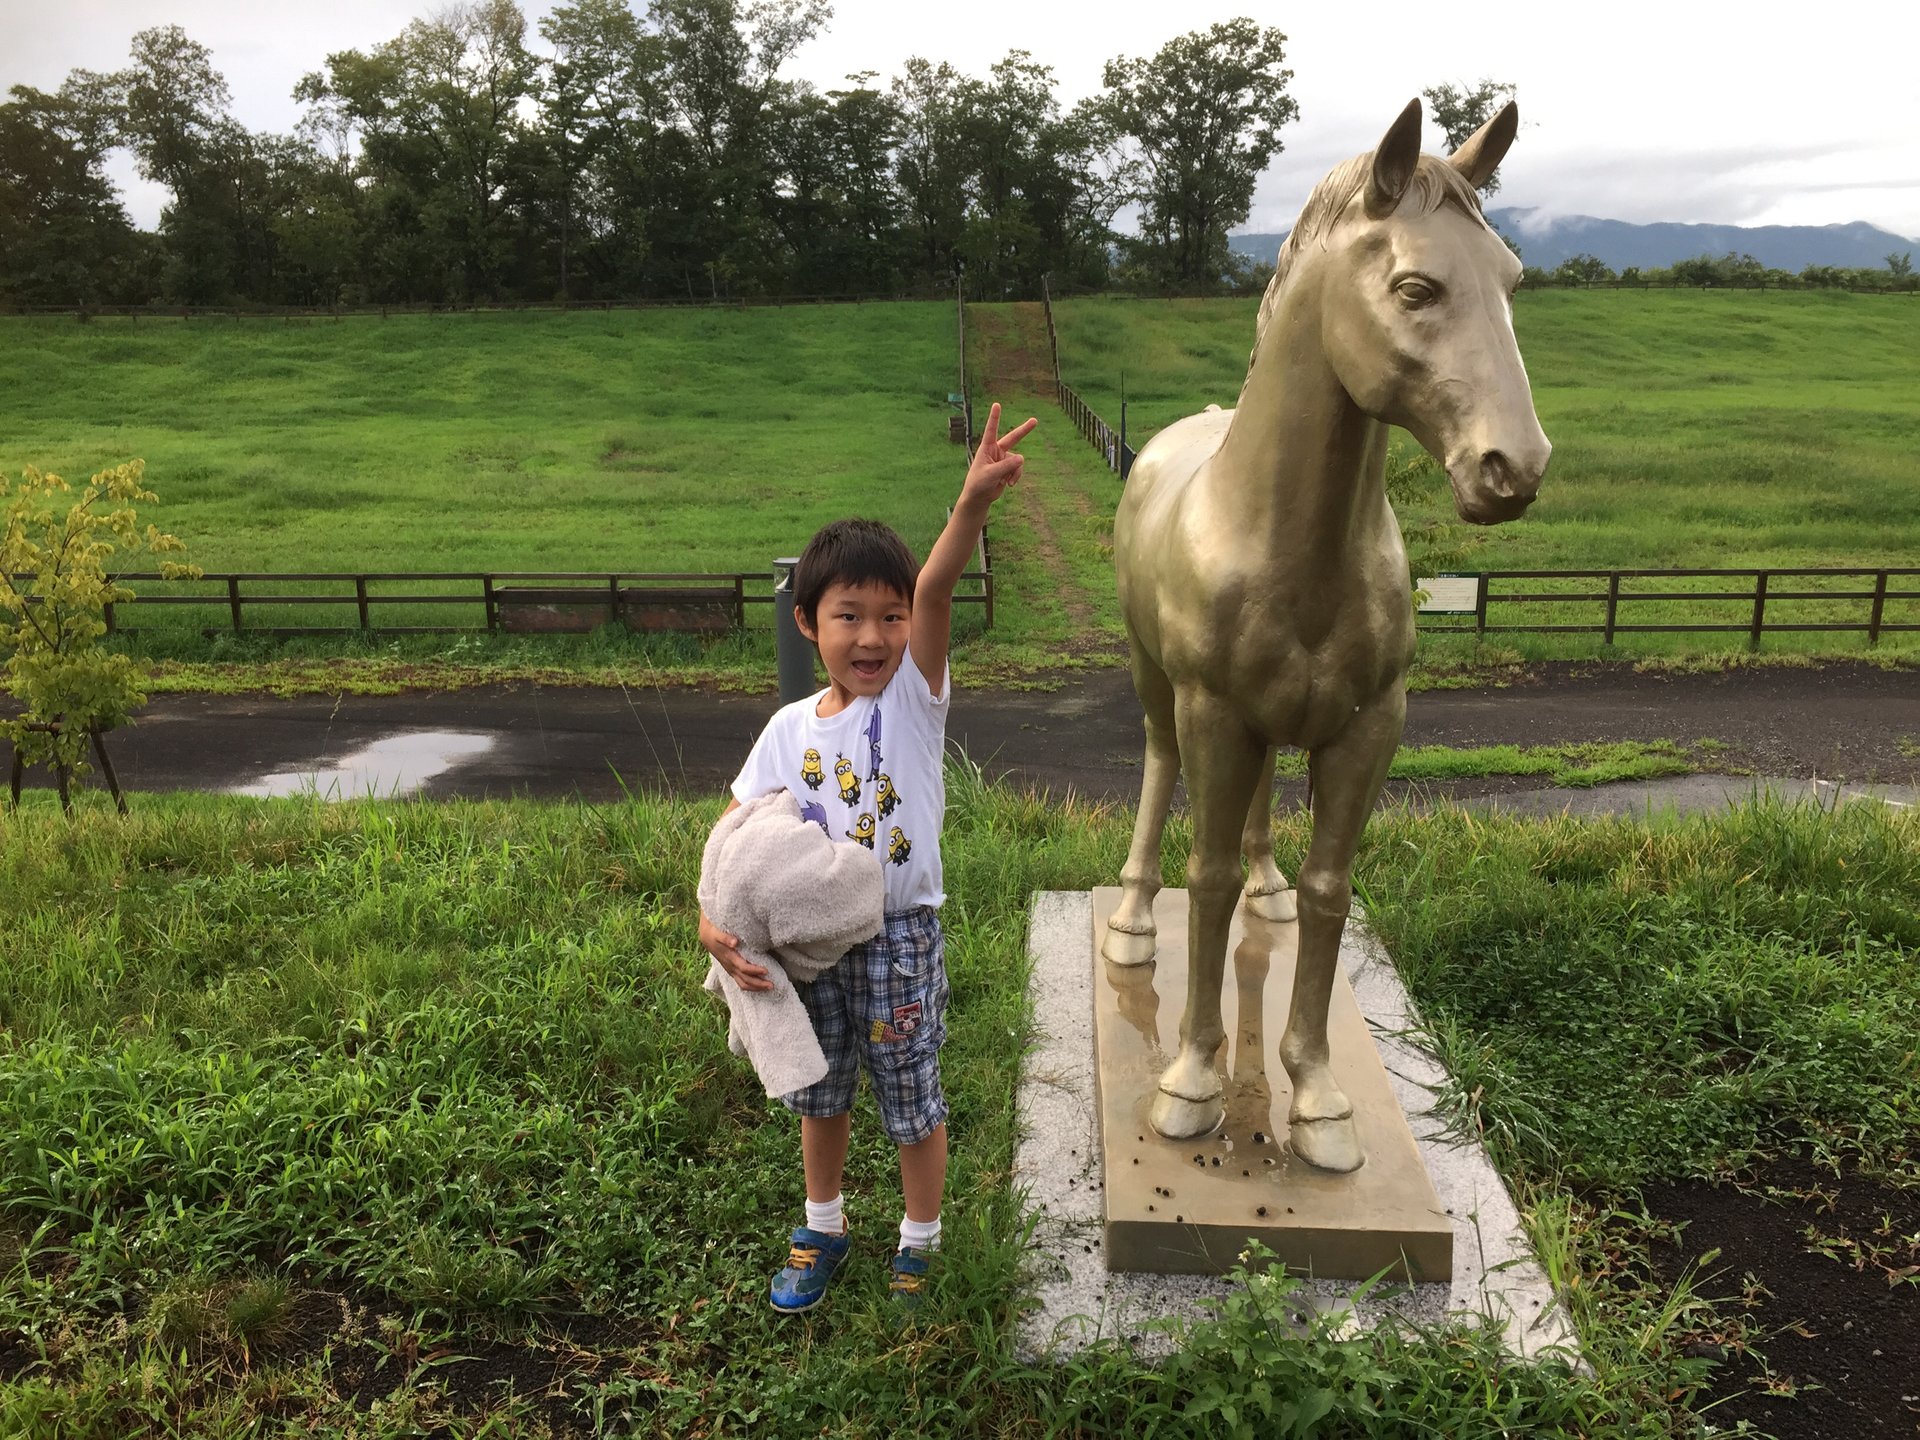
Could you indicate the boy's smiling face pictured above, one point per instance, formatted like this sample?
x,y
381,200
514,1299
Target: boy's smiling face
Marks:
x,y
862,632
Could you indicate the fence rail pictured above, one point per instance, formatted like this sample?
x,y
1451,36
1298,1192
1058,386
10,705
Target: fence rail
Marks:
x,y
290,313
1756,596
502,600
1111,443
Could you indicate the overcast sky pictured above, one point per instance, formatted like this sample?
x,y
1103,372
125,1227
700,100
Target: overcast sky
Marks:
x,y
1632,111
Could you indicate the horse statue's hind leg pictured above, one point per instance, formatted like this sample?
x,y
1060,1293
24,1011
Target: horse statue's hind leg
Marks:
x,y
1131,937
1347,775
1268,894
1223,760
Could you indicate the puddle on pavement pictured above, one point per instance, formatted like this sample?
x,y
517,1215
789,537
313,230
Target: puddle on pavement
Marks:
x,y
397,765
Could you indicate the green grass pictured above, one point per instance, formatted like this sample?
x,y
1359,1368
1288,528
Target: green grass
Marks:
x,y
659,440
1575,766
1690,430
444,1072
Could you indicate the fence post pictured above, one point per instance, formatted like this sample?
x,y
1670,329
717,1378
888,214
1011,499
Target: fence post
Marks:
x,y
793,659
1480,605
233,600
1879,605
360,596
989,594
1759,609
493,610
1613,602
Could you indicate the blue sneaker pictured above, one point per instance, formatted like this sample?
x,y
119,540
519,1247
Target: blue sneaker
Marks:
x,y
812,1263
908,1286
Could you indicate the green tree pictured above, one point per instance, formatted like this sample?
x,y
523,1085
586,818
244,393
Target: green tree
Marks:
x,y
1582,270
1203,117
437,113
1900,266
54,590
64,238
931,166
1460,110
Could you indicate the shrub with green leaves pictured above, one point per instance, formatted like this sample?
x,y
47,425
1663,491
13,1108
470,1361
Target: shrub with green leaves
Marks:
x,y
54,594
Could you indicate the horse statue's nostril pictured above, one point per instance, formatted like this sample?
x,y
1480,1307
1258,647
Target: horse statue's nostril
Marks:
x,y
1497,472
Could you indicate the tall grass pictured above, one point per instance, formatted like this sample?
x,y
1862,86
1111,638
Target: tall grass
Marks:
x,y
444,1072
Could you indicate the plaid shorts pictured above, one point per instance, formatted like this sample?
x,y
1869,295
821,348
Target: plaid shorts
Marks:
x,y
884,1007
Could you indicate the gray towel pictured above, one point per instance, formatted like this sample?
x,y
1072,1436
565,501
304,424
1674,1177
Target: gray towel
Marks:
x,y
798,901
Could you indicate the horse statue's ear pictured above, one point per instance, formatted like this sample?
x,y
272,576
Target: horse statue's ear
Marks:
x,y
1487,146
1393,162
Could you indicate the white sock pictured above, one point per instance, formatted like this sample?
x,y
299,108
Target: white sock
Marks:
x,y
920,1235
826,1216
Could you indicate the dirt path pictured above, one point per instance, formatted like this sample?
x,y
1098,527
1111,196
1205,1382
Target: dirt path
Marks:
x,y
1843,721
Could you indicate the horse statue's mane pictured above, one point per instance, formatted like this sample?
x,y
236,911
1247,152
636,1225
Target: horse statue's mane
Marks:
x,y
1434,183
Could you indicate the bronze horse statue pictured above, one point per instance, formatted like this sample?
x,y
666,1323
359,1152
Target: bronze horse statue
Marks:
x,y
1265,587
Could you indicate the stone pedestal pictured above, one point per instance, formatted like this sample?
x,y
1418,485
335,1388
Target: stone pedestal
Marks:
x,y
1191,1206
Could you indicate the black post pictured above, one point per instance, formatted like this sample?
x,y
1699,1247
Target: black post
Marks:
x,y
793,656
1480,606
493,610
1613,602
1879,605
106,769
1759,609
360,596
233,600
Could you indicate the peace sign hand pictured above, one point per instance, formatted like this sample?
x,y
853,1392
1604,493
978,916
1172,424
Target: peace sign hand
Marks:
x,y
996,464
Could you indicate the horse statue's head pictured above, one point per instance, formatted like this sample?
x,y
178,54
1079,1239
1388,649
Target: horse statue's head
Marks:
x,y
1415,302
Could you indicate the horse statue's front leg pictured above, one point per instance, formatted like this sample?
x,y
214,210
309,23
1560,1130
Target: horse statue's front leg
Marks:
x,y
1222,764
1347,775
1131,937
1268,894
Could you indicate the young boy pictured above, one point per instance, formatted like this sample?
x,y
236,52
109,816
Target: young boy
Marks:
x,y
864,758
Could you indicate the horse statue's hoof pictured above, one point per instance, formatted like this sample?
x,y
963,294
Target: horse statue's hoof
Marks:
x,y
1178,1118
1330,1144
1127,947
1278,906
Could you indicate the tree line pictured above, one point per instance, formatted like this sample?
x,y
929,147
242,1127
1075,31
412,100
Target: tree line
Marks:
x,y
1735,270
621,154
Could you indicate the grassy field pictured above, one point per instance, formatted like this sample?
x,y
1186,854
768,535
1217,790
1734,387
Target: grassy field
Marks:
x,y
1689,428
398,1118
663,440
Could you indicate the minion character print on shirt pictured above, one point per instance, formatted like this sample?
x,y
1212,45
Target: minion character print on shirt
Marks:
x,y
810,771
849,782
863,831
886,797
898,846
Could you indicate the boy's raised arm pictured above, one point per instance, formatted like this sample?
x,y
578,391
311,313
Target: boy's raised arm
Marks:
x,y
996,466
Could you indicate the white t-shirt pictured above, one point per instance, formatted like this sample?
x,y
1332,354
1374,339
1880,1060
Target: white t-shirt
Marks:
x,y
872,775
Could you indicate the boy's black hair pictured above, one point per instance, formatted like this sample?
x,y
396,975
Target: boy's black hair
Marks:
x,y
852,552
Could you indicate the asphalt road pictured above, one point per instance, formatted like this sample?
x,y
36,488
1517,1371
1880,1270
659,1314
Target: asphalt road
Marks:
x,y
1852,722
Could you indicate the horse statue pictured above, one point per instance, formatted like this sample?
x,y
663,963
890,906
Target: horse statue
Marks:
x,y
1265,586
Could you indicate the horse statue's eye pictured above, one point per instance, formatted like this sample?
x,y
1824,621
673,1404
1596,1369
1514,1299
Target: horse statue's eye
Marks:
x,y
1416,292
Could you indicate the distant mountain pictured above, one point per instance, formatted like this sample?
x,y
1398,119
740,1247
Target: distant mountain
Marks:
x,y
1546,242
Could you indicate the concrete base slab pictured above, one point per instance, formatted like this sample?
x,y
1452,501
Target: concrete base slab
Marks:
x,y
1190,1206
1078,1301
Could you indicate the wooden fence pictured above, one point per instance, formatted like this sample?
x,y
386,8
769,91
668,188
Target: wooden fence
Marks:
x,y
1111,443
513,601
291,313
1755,609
